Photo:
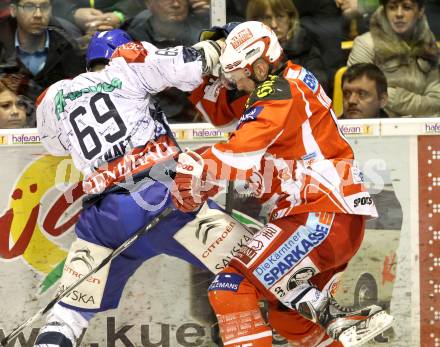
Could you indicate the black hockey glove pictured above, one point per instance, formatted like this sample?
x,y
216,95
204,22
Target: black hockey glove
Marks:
x,y
217,32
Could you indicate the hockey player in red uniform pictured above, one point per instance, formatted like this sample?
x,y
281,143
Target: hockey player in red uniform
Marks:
x,y
288,145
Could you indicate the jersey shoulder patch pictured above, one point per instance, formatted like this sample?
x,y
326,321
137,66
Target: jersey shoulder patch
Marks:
x,y
41,97
249,115
274,88
132,52
306,77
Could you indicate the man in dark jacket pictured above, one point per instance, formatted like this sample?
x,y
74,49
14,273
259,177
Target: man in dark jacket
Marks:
x,y
100,15
36,53
364,88
169,24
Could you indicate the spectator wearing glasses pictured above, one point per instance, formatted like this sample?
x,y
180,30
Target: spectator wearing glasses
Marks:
x,y
35,51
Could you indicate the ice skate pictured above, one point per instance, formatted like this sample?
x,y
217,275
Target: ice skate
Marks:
x,y
56,334
353,327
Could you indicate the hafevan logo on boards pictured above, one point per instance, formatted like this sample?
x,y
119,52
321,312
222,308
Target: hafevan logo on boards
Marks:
x,y
201,134
22,139
356,129
431,128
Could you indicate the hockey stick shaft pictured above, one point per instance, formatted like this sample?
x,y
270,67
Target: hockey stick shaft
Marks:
x,y
70,288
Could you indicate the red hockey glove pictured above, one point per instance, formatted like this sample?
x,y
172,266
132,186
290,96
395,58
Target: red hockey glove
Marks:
x,y
191,188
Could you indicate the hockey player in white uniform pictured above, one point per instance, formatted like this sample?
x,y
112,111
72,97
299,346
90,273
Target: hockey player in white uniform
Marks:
x,y
120,140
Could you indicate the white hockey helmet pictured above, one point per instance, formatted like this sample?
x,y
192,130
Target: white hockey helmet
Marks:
x,y
248,42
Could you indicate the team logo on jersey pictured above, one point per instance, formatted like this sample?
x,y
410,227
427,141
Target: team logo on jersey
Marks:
x,y
250,115
309,80
60,99
226,281
356,173
267,87
299,277
205,225
84,256
274,88
290,253
248,253
309,158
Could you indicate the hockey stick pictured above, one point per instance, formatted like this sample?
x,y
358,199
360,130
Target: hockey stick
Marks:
x,y
69,289
229,200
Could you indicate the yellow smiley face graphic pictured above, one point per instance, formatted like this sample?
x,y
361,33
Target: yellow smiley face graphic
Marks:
x,y
39,211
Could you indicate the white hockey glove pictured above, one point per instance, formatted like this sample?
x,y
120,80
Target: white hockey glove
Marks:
x,y
210,51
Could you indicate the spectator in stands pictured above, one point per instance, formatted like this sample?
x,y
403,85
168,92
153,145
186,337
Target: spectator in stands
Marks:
x,y
34,52
13,109
401,44
283,18
332,10
55,21
168,23
98,15
328,28
364,88
200,7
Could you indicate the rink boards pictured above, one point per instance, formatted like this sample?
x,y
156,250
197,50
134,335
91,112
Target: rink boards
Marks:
x,y
165,302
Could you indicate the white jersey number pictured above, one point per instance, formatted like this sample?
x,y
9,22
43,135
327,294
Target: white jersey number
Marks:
x,y
90,150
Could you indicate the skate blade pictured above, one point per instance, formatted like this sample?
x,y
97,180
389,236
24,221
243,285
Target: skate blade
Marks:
x,y
365,330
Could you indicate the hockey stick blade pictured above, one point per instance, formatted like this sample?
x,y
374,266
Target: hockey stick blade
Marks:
x,y
69,289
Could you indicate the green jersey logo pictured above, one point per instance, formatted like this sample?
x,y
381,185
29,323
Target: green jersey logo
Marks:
x,y
60,97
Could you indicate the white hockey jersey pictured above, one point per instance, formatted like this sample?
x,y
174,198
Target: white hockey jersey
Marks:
x,y
100,116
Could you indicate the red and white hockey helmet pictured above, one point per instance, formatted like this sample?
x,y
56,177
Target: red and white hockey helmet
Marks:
x,y
248,42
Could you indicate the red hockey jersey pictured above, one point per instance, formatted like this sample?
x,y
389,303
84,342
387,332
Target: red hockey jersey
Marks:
x,y
287,137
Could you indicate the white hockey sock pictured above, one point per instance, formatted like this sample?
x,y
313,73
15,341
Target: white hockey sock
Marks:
x,y
70,317
63,328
